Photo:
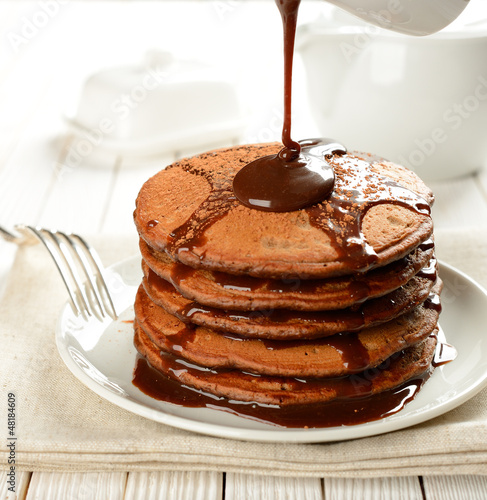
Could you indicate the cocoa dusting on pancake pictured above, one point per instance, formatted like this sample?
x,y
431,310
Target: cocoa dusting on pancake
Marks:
x,y
222,290
240,386
189,210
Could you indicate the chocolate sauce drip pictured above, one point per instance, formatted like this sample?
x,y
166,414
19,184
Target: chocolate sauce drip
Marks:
x,y
354,355
352,409
191,234
427,245
430,272
152,223
357,189
445,353
179,273
178,342
433,302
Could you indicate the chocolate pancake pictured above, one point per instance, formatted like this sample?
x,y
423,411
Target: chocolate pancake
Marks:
x,y
234,384
378,212
338,355
245,293
286,324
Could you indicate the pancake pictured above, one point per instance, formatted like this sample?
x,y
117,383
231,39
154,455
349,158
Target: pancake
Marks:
x,y
334,356
244,293
286,324
338,301
240,386
378,212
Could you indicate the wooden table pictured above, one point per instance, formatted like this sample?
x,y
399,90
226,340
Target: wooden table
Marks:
x,y
46,52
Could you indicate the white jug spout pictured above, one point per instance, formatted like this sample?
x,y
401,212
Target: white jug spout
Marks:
x,y
411,17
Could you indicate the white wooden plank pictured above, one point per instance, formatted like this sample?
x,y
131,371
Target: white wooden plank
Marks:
x,y
396,488
21,481
30,117
456,201
26,72
128,180
78,197
25,181
249,487
455,487
170,485
77,486
11,14
16,120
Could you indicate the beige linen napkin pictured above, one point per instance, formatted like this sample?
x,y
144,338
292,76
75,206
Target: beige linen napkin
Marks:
x,y
63,426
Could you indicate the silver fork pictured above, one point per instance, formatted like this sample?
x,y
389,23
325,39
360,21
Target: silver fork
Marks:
x,y
79,265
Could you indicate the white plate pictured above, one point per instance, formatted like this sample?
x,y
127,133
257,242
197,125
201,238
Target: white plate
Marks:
x,y
102,356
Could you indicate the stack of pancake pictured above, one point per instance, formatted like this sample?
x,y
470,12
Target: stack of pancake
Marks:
x,y
333,301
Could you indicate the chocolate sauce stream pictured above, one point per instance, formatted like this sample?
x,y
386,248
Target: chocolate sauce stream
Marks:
x,y
289,14
299,175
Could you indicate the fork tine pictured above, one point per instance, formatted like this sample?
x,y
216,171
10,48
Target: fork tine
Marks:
x,y
97,267
22,237
66,269
7,235
92,266
72,254
87,287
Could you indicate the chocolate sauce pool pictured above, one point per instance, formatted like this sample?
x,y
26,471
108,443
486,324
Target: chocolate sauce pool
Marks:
x,y
354,408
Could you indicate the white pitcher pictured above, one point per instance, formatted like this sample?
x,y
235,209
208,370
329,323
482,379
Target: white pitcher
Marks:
x,y
420,101
412,17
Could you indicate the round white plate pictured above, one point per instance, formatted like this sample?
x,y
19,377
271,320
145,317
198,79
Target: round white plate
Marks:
x,y
102,356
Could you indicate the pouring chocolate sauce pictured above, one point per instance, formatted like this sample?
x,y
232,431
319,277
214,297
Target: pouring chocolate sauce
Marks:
x,y
299,174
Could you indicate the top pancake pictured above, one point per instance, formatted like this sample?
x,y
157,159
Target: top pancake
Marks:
x,y
378,212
